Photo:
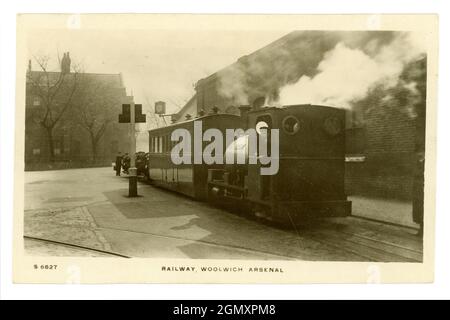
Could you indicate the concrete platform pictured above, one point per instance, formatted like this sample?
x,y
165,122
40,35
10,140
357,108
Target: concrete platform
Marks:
x,y
386,210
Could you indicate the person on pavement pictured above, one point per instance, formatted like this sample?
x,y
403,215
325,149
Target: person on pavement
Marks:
x,y
118,163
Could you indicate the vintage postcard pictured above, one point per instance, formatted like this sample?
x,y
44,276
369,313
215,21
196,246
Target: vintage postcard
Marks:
x,y
186,148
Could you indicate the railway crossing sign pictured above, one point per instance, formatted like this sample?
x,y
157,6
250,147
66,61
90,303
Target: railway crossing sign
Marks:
x,y
132,114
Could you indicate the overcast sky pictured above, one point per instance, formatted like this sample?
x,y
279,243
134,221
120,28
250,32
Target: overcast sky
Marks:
x,y
156,65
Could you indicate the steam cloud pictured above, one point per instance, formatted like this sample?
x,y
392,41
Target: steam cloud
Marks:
x,y
328,68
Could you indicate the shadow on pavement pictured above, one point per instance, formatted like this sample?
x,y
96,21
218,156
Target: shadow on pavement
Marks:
x,y
144,206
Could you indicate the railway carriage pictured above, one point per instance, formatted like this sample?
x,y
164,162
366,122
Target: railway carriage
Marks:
x,y
188,179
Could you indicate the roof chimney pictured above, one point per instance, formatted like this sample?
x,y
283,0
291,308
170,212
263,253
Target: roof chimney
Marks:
x,y
65,63
68,62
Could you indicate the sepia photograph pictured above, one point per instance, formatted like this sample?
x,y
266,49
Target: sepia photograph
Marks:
x,y
225,148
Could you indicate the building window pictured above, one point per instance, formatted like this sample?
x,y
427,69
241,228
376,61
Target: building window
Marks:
x,y
36,151
76,147
36,101
57,147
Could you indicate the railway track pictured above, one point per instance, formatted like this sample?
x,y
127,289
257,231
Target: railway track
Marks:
x,y
373,241
336,239
77,247
358,241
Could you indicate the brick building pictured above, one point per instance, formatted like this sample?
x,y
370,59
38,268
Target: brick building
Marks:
x,y
388,136
383,136
71,141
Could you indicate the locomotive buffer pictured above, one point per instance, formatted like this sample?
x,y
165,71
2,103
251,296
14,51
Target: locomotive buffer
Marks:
x,y
132,114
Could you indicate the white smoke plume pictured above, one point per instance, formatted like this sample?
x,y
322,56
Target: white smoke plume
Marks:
x,y
320,67
346,75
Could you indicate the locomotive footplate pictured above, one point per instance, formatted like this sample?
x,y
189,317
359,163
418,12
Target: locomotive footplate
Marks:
x,y
299,210
227,190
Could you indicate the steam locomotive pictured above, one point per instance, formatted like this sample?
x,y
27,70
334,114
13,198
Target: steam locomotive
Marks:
x,y
310,178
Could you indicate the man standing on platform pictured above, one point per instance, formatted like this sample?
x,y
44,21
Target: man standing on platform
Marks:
x,y
418,192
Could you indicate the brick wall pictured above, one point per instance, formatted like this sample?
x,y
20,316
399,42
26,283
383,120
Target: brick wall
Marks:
x,y
389,135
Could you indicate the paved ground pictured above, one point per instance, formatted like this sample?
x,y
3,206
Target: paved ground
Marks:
x,y
89,208
382,209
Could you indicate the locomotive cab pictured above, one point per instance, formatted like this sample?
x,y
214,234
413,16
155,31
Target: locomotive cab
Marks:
x,y
310,179
311,158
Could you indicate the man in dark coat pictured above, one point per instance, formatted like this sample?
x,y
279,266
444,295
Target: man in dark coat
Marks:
x,y
418,192
118,163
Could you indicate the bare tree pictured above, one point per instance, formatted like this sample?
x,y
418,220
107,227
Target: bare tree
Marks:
x,y
94,109
55,91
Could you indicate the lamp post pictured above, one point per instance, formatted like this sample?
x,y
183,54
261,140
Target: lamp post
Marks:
x,y
132,181
132,114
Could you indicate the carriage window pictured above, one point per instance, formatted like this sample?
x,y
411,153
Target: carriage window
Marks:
x,y
160,145
36,101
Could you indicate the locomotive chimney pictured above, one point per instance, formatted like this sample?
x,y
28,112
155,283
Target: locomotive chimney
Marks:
x,y
244,109
258,103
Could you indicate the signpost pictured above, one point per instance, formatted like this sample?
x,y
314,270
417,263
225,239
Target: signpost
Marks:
x,y
132,114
